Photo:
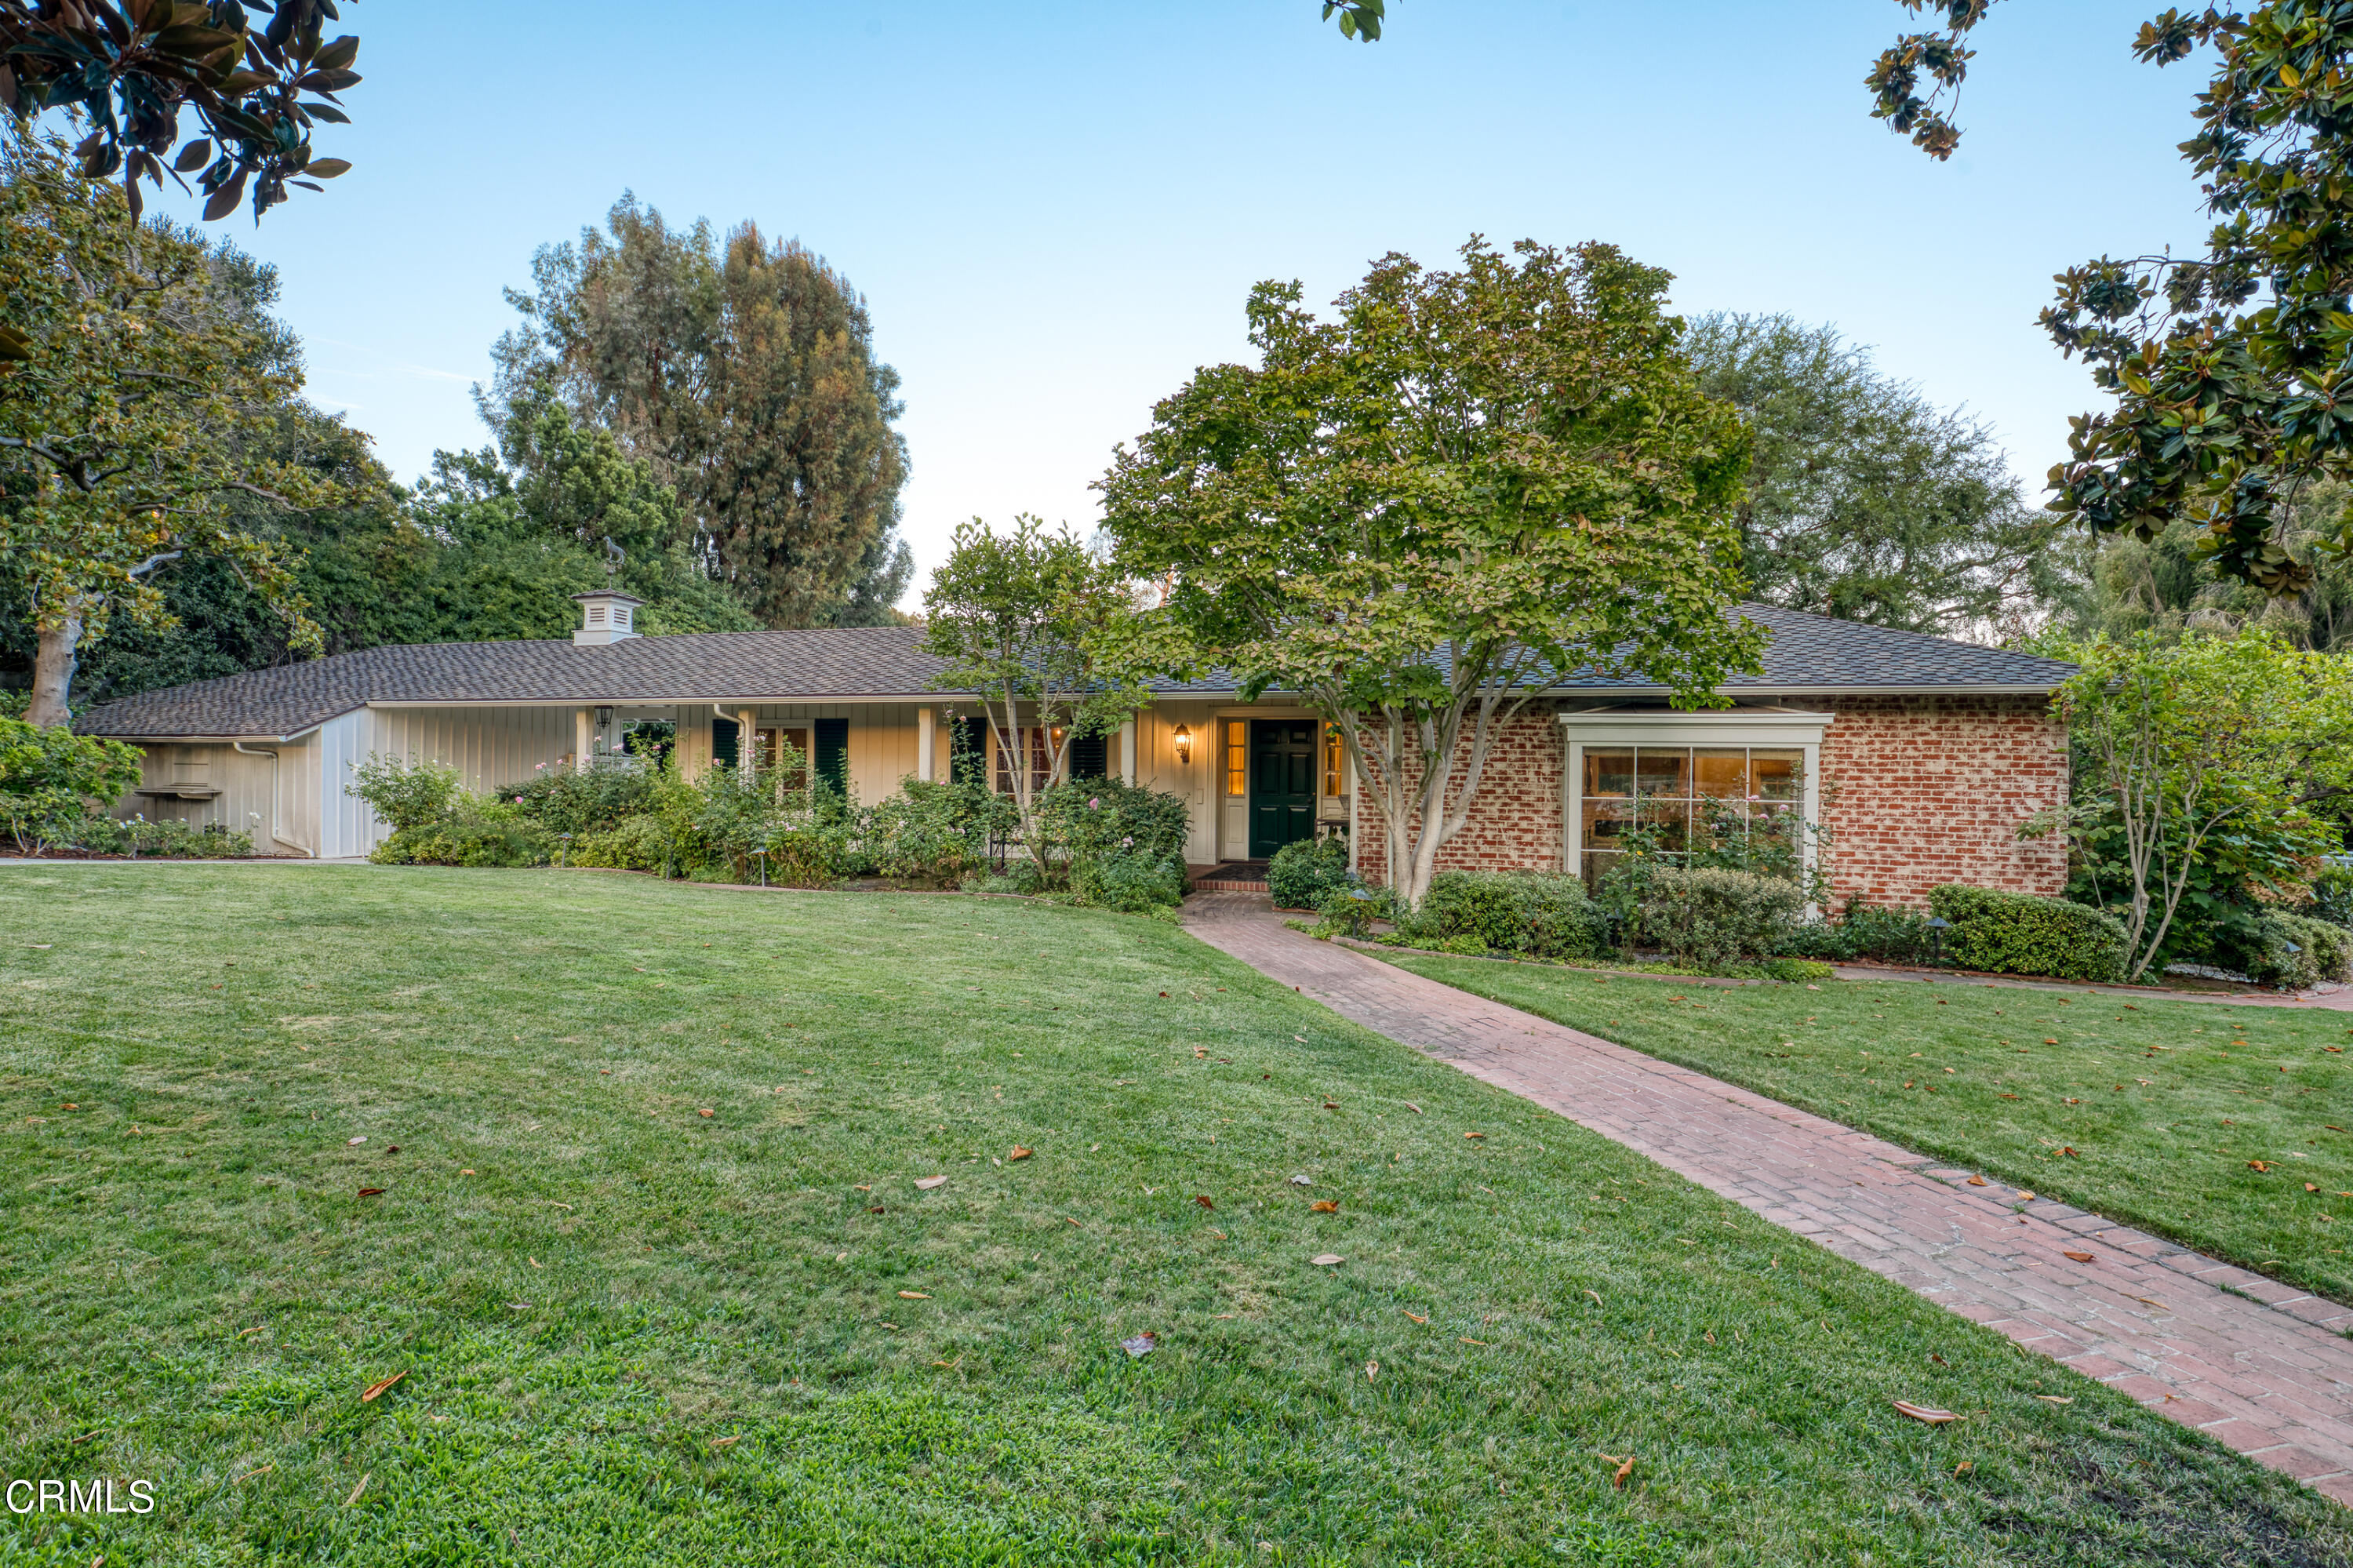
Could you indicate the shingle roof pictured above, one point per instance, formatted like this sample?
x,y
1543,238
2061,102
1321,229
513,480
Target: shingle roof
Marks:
x,y
1808,652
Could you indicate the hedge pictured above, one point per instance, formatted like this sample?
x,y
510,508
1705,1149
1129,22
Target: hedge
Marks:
x,y
2020,934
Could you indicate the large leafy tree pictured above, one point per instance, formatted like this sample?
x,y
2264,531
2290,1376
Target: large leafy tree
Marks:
x,y
1864,500
1043,631
2199,755
130,70
2233,369
744,372
144,406
1415,515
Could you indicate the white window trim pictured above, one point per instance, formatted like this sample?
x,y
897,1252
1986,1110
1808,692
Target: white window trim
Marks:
x,y
1782,730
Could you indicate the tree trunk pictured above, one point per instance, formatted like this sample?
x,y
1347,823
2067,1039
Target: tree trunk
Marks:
x,y
52,669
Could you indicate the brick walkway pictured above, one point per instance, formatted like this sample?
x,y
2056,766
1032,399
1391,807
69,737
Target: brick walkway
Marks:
x,y
2260,1367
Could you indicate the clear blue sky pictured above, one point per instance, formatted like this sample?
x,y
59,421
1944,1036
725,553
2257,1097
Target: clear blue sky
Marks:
x,y
1055,210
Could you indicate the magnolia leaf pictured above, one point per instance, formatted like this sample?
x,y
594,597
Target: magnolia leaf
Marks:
x,y
1141,1344
374,1389
327,168
1020,1153
1925,1412
2079,1257
1326,1259
1204,1201
913,1296
1325,1206
926,1183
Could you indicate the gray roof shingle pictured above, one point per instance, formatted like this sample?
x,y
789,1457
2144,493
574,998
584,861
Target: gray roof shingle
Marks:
x,y
1808,652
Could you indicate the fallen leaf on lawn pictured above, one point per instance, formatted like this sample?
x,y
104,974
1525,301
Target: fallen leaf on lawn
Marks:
x,y
1300,1182
728,1441
1325,1206
534,1262
949,1365
371,1192
2050,1042
913,1296
1417,1317
1475,1135
1142,1344
1325,1259
1625,1468
926,1183
519,1306
2258,1165
361,1138
1068,1220
2053,1399
241,1333
1020,1153
1927,1413
1163,993
1466,1340
2311,1186
699,1112
375,1388
1597,1296
1204,1201
1413,1107
1372,1371
1977,1180
877,1208
1963,1467
1330,1106
465,1172
2078,1256
250,1474
365,1478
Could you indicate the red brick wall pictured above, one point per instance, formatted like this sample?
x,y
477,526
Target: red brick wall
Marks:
x,y
1515,819
1918,791
1922,790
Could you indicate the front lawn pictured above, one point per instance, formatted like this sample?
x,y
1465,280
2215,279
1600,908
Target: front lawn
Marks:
x,y
2222,1127
651,1254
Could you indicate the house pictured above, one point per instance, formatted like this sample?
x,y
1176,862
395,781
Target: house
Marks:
x,y
1919,755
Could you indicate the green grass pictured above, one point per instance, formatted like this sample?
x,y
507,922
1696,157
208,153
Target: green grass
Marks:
x,y
2152,1112
637,1334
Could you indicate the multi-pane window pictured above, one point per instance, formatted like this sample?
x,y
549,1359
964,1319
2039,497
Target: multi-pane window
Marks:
x,y
782,757
1042,758
1681,795
1237,756
1336,759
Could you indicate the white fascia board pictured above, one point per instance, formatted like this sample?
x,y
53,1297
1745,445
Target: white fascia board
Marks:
x,y
610,701
256,738
1728,727
1767,692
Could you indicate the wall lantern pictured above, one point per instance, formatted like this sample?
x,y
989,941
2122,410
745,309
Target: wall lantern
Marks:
x,y
604,718
1182,736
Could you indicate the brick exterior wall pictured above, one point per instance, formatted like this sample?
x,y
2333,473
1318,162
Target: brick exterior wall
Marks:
x,y
1515,821
1917,791
1922,790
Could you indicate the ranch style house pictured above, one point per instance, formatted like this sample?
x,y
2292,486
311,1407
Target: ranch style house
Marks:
x,y
1919,757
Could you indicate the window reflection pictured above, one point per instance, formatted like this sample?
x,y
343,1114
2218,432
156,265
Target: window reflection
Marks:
x,y
1687,795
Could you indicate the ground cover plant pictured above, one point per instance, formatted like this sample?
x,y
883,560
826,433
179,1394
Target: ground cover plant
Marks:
x,y
2222,1127
650,1259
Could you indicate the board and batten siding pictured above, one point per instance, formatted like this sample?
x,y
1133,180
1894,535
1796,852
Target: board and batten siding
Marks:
x,y
884,745
487,746
269,802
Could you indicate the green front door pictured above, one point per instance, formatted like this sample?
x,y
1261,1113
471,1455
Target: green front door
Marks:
x,y
1282,784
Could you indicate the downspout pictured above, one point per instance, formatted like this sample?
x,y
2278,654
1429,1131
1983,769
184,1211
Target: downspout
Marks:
x,y
275,837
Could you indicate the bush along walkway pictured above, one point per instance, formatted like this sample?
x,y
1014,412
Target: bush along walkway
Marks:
x,y
2263,1369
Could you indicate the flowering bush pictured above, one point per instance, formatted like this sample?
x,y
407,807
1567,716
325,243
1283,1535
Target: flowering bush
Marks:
x,y
405,794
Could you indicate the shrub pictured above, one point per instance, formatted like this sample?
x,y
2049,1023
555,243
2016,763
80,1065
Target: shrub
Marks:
x,y
1543,914
937,834
1130,884
1302,871
1114,844
2292,951
1863,931
1718,918
1559,921
1346,908
164,840
2018,933
50,778
2332,892
468,839
637,843
404,794
583,801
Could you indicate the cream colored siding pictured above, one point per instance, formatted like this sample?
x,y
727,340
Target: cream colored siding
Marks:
x,y
489,747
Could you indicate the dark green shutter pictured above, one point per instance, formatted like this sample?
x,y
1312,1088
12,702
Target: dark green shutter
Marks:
x,y
833,754
1090,756
971,748
723,747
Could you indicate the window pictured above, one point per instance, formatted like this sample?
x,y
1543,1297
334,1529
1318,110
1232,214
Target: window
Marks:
x,y
1042,758
1237,756
1336,763
1685,796
770,760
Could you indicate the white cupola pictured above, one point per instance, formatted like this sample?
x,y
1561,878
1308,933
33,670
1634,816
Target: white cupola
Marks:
x,y
604,617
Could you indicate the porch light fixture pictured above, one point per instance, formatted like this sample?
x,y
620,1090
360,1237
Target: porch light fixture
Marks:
x,y
1182,736
604,718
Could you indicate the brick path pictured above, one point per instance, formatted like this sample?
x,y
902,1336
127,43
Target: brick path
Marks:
x,y
2259,1366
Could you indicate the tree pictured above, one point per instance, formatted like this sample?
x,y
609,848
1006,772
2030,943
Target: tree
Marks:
x,y
1864,500
2164,586
135,414
1417,515
1039,628
745,375
130,69
2232,370
2199,749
